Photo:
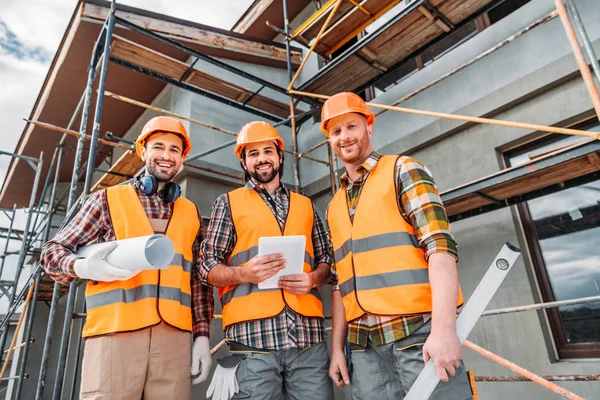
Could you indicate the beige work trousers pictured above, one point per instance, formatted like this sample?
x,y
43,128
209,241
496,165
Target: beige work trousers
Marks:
x,y
152,364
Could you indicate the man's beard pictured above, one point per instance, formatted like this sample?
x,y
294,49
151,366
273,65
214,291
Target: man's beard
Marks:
x,y
152,169
266,177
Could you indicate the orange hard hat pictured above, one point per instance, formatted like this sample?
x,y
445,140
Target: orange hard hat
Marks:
x,y
164,125
342,103
254,132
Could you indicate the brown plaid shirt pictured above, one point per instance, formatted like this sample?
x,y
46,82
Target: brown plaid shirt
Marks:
x,y
288,329
421,207
93,222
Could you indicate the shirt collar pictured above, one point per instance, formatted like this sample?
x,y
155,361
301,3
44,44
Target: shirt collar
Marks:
x,y
252,184
364,168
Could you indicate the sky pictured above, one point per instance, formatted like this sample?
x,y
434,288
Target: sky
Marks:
x,y
30,33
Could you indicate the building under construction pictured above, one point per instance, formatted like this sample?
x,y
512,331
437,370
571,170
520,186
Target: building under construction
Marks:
x,y
498,98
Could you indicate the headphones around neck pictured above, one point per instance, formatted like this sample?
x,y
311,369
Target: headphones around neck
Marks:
x,y
149,186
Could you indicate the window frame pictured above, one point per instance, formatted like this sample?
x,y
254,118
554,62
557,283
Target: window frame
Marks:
x,y
564,350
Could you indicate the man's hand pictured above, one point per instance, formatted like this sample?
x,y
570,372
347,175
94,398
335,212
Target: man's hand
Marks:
x,y
297,284
259,269
444,348
338,369
95,267
201,359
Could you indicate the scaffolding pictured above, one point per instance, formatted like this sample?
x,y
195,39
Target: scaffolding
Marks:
x,y
466,201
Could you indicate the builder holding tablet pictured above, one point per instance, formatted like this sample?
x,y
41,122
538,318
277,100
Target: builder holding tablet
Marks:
x,y
276,336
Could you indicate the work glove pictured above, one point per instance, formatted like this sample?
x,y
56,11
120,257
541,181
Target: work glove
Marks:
x,y
224,383
201,359
95,268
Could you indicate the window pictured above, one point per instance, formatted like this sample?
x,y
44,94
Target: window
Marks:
x,y
563,233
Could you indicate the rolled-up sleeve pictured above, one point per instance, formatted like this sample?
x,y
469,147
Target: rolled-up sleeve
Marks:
x,y
423,207
220,238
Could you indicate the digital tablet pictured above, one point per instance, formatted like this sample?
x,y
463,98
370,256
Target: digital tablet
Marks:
x,y
292,248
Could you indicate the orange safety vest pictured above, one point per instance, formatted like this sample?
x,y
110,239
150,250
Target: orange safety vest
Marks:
x,y
151,296
252,219
381,267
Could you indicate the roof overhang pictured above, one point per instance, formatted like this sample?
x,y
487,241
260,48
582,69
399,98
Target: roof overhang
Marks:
x,y
254,21
67,76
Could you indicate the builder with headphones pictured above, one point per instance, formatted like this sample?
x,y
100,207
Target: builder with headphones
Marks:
x,y
138,323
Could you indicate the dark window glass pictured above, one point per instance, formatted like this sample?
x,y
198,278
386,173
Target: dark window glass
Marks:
x,y
563,230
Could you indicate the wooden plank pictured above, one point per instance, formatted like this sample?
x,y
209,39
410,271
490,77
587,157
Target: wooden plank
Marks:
x,y
253,13
148,58
128,164
212,38
145,57
406,36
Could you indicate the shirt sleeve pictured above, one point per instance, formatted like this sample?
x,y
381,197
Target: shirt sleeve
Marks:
x,y
202,296
58,254
220,238
320,240
423,208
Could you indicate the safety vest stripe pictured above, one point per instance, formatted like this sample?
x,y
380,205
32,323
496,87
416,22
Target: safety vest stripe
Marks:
x,y
138,293
245,256
180,260
375,242
245,289
385,280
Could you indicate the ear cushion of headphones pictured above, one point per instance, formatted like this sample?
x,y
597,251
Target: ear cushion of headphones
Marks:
x,y
148,184
171,192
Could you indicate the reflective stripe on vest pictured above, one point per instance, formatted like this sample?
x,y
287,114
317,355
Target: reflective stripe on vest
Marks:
x,y
151,296
380,265
252,219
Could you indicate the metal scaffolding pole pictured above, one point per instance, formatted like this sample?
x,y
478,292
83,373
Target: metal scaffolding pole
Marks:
x,y
588,79
292,107
10,228
589,49
37,167
56,290
66,332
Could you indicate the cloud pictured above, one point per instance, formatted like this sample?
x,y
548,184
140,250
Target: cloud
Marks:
x,y
10,44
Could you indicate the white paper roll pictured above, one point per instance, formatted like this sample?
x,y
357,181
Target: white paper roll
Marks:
x,y
136,254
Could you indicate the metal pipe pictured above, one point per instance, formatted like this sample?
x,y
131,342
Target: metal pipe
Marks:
x,y
316,146
193,121
82,137
66,331
521,371
18,346
24,243
54,165
331,171
21,156
315,42
201,56
584,38
479,120
292,117
486,53
583,66
27,336
540,306
551,378
8,236
210,151
16,334
214,171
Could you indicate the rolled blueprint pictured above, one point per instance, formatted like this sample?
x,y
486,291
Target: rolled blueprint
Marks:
x,y
136,254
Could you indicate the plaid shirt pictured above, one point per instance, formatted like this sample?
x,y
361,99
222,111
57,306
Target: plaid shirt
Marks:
x,y
288,329
422,207
93,222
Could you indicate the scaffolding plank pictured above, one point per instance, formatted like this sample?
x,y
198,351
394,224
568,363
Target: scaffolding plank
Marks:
x,y
554,168
128,164
134,53
395,41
